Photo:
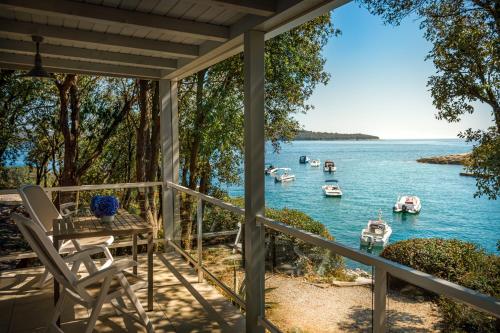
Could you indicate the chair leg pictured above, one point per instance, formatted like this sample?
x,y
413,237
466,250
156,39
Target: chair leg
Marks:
x,y
98,305
76,266
121,303
135,301
110,258
57,312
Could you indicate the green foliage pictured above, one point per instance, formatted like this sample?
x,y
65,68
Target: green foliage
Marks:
x,y
18,97
466,36
13,177
460,262
313,261
485,162
299,220
211,103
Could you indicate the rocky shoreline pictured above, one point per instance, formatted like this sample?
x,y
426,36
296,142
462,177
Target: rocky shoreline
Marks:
x,y
457,159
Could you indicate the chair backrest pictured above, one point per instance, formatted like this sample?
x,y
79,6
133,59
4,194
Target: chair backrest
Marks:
x,y
39,206
45,250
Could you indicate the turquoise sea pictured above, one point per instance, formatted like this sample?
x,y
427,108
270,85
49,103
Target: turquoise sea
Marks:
x,y
371,175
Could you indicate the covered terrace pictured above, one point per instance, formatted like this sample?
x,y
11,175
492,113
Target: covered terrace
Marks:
x,y
166,41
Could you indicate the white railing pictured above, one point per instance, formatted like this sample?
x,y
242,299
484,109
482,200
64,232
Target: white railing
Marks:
x,y
50,190
76,188
382,267
203,272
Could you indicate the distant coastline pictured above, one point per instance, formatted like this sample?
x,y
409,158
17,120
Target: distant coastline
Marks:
x,y
310,135
460,159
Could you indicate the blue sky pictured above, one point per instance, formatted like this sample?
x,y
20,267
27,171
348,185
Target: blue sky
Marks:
x,y
378,83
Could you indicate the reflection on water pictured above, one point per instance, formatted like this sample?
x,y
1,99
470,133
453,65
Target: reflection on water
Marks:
x,y
405,218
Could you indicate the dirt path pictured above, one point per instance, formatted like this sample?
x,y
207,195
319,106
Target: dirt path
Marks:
x,y
297,306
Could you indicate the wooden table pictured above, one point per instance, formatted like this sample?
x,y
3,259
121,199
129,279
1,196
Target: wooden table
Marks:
x,y
76,227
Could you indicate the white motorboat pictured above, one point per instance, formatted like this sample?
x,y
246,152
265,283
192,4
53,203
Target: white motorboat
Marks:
x,y
408,204
283,175
332,190
270,170
329,166
303,159
376,233
315,163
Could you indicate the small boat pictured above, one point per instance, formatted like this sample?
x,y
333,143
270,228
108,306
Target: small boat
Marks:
x,y
315,163
329,166
303,159
283,177
270,169
332,190
376,233
408,204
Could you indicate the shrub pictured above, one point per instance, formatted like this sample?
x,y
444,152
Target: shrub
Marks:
x,y
13,177
460,262
309,260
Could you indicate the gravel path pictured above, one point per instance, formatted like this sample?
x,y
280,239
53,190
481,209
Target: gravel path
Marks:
x,y
297,306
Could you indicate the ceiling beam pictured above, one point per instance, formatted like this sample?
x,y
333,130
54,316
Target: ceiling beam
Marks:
x,y
5,65
119,18
77,53
98,38
74,66
289,14
254,7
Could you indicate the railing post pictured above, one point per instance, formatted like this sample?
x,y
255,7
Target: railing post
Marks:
x,y
169,123
199,239
254,179
379,311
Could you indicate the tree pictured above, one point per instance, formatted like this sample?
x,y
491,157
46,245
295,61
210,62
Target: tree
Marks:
x,y
90,110
148,148
466,53
211,107
17,96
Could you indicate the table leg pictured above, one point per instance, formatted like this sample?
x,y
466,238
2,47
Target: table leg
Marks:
x,y
56,284
150,271
134,252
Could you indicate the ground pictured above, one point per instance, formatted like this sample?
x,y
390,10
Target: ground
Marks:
x,y
294,304
298,306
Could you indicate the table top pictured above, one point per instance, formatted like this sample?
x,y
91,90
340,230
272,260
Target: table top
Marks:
x,y
77,226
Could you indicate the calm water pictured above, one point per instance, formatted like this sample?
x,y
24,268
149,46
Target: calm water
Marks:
x,y
371,175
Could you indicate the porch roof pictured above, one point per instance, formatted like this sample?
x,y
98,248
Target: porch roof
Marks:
x,y
152,39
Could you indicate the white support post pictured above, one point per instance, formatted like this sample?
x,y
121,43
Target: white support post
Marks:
x,y
379,311
169,126
254,178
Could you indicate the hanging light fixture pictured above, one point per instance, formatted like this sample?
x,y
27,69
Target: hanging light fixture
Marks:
x,y
37,71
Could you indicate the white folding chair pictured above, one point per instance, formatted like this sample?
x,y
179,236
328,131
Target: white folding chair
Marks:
x,y
92,291
43,212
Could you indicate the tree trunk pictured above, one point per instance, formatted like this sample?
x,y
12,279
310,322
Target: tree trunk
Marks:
x,y
187,215
496,113
66,93
68,167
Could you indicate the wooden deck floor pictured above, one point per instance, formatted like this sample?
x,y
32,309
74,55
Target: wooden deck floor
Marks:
x,y
181,303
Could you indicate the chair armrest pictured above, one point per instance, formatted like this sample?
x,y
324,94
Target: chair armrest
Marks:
x,y
122,264
116,267
65,209
84,254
